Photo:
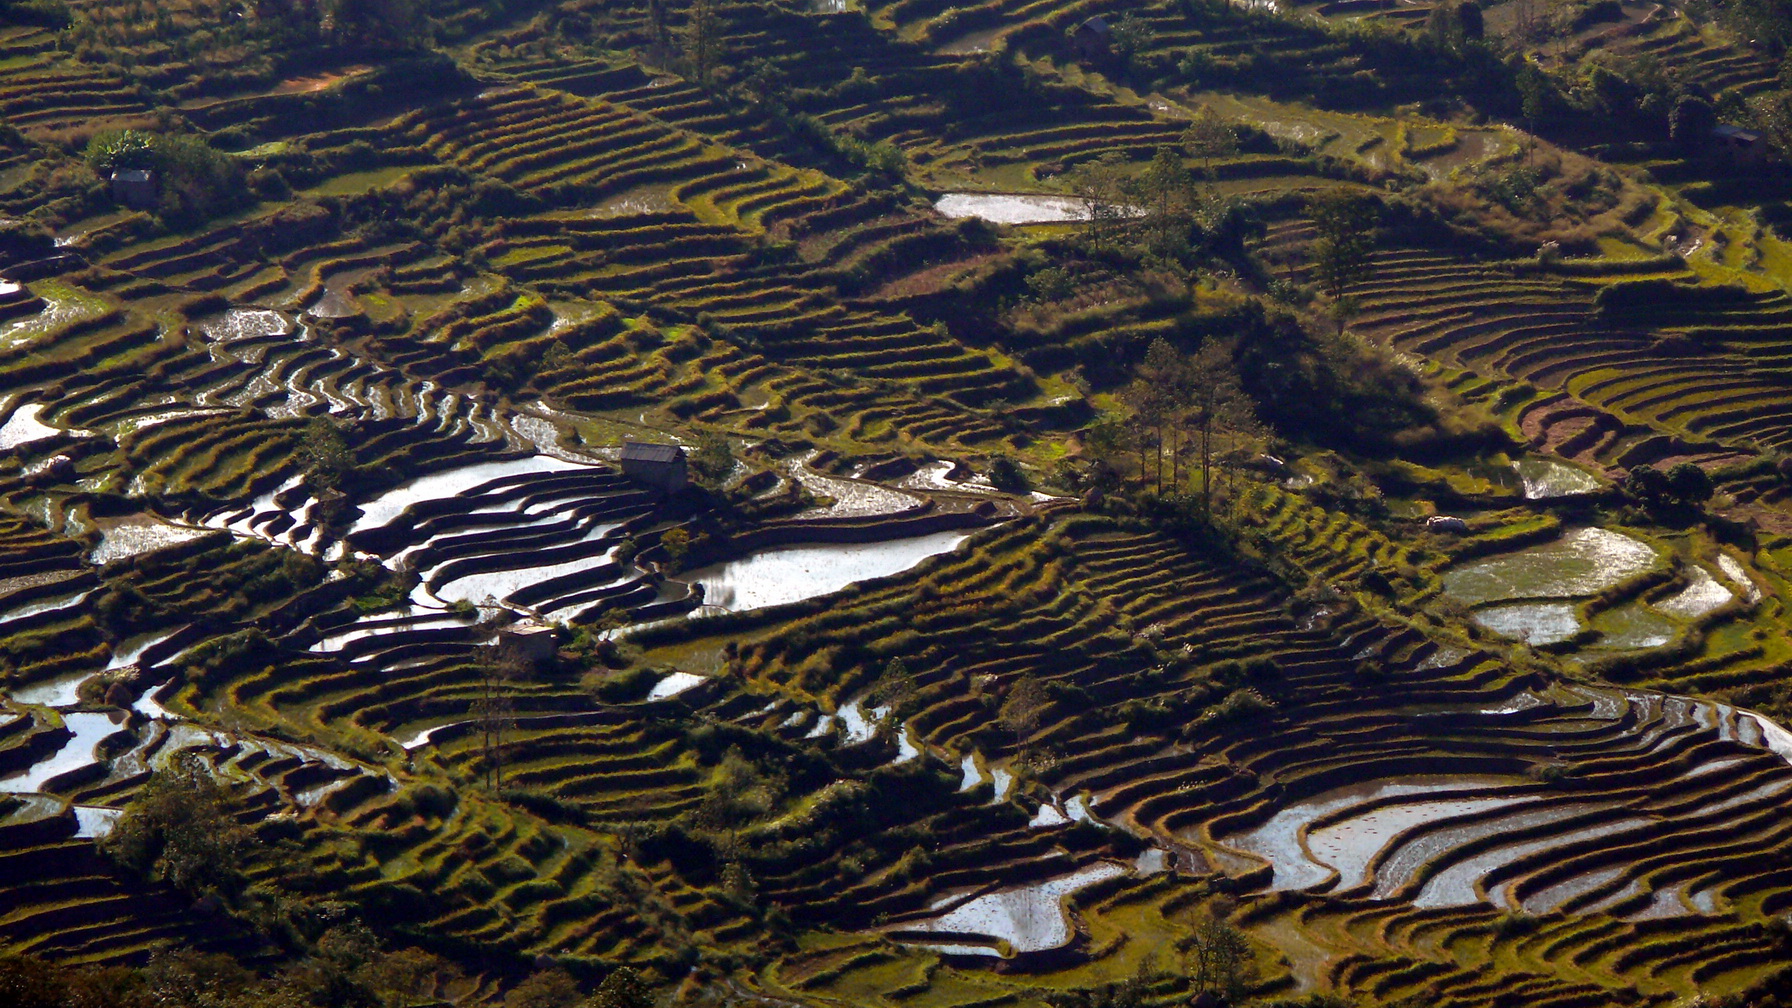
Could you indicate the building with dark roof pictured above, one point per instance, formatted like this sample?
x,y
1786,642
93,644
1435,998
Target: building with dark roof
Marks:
x,y
661,466
1742,146
135,188
1093,38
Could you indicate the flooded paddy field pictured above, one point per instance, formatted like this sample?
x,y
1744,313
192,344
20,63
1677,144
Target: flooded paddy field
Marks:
x,y
793,574
323,496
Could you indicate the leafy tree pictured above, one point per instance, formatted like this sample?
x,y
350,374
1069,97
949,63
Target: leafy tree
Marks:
x,y
1772,114
199,980
1219,958
1025,707
677,543
1149,408
623,988
1690,484
1103,186
1209,136
1685,485
181,828
29,982
897,683
1691,120
1165,193
1346,240
656,14
1444,26
1473,23
381,24
713,460
48,13
196,181
119,150
1053,283
1536,94
1131,36
554,988
1006,474
1165,394
406,977
328,460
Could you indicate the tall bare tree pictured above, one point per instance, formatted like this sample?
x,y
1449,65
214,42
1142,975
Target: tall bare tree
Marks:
x,y
499,670
703,40
1217,407
1166,379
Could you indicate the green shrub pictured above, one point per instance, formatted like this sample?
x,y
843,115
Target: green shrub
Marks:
x,y
1006,474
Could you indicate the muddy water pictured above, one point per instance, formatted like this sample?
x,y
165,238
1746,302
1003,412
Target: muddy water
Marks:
x,y
1581,562
57,602
792,574
1350,845
675,684
1440,823
937,476
401,621
1633,626
23,427
65,690
1545,900
1278,839
1012,208
1546,477
1733,569
93,822
1702,595
973,775
1029,918
852,498
61,691
643,199
1455,885
244,323
965,45
337,301
1531,622
136,536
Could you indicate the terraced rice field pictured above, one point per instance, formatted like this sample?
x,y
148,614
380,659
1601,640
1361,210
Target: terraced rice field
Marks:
x,y
292,490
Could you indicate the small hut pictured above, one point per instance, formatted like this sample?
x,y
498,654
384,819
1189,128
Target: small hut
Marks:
x,y
661,466
1738,145
531,640
135,188
1094,38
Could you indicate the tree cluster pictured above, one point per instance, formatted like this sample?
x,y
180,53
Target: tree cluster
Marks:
x,y
1682,487
181,828
194,181
1162,212
1182,405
